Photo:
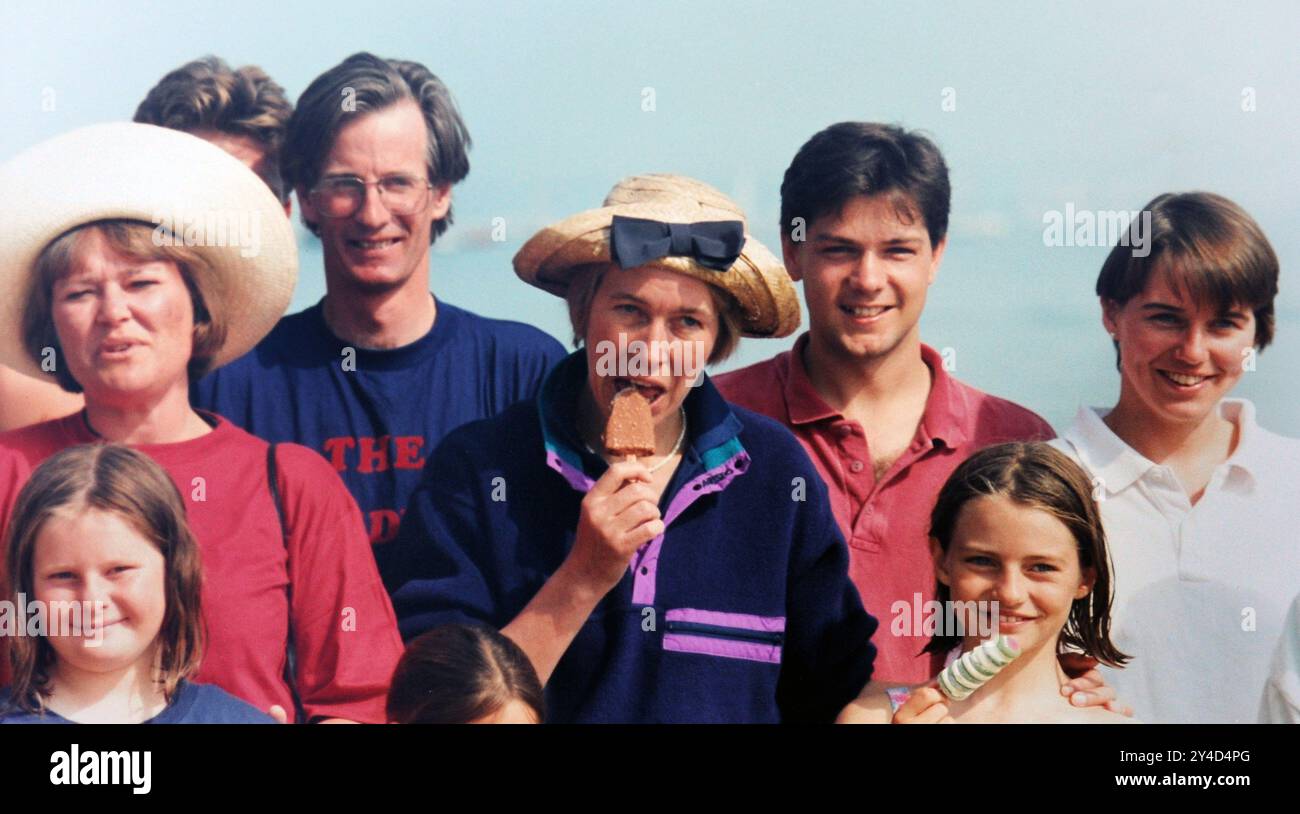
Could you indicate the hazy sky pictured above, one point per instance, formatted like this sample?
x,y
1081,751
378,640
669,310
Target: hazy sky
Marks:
x,y
1037,106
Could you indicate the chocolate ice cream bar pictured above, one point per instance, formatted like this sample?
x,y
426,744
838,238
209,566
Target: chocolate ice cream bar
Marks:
x,y
630,429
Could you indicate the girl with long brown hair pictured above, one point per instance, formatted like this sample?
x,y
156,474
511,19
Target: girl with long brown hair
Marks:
x,y
100,550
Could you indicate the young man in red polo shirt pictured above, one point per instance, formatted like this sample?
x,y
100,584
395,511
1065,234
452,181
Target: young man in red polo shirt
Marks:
x,y
864,220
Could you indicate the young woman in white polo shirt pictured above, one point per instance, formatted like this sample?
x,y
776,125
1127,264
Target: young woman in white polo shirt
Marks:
x,y
1200,503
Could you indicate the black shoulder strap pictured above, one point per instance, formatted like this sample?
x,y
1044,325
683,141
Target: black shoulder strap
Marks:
x,y
272,477
291,660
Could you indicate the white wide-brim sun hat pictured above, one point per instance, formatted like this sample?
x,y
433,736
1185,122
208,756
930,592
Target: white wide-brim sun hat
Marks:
x,y
205,197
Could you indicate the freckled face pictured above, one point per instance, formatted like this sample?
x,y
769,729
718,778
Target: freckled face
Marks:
x,y
126,326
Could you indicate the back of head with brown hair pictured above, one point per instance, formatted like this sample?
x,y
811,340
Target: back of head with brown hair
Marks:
x,y
207,94
457,674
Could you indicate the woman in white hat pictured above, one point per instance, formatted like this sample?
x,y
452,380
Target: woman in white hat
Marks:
x,y
134,260
702,578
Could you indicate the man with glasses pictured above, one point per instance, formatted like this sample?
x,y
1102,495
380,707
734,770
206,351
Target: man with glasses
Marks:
x,y
376,373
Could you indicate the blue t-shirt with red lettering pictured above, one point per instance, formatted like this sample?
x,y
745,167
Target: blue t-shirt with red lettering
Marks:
x,y
376,415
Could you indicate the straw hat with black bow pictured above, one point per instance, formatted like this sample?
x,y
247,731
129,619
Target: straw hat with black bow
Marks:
x,y
160,177
674,223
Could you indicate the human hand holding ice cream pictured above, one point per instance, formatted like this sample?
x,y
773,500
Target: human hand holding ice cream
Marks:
x,y
958,681
620,513
925,705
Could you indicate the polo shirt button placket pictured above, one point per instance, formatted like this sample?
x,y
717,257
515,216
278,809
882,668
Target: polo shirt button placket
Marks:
x,y
1192,563
865,529
856,467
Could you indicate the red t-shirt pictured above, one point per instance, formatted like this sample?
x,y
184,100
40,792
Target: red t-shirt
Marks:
x,y
344,629
886,523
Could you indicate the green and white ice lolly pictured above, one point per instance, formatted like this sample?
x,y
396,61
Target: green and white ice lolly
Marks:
x,y
970,672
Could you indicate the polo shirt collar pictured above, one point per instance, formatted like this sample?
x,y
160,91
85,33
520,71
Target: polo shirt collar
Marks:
x,y
802,401
1104,453
712,431
947,409
1253,453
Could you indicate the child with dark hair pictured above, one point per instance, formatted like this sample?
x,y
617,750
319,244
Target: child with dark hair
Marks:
x,y
465,674
100,548
1016,538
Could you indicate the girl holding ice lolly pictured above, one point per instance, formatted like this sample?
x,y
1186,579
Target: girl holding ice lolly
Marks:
x,y
1015,533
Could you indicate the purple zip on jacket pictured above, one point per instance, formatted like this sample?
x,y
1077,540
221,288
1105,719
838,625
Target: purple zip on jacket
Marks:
x,y
742,611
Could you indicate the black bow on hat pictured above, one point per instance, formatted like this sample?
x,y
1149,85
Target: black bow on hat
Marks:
x,y
713,244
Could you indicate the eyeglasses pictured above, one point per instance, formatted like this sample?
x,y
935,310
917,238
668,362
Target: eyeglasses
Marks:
x,y
343,196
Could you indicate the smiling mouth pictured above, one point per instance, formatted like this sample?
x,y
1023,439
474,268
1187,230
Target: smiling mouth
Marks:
x,y
1013,620
864,311
1183,380
374,245
95,631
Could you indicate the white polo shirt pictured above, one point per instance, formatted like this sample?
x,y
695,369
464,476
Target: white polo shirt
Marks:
x,y
1201,592
1282,695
